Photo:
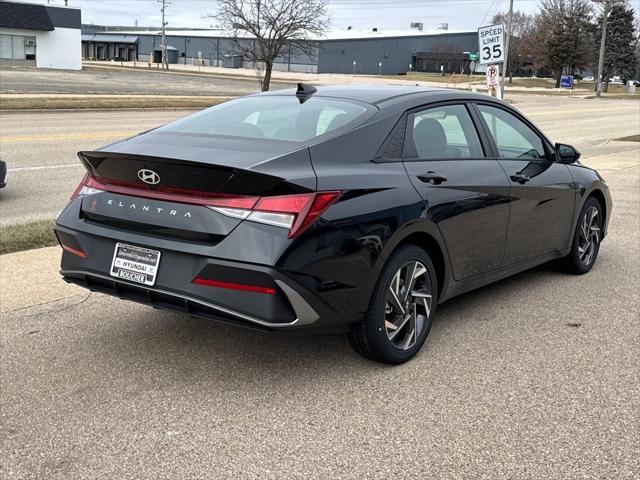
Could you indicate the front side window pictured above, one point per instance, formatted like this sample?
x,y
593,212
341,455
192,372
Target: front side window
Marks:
x,y
441,133
274,117
513,138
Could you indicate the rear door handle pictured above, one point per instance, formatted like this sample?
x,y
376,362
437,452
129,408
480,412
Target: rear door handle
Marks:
x,y
432,177
520,177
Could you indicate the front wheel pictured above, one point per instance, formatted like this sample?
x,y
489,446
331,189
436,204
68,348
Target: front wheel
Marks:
x,y
586,238
402,308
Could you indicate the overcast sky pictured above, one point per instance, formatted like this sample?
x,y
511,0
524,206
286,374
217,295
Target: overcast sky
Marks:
x,y
360,14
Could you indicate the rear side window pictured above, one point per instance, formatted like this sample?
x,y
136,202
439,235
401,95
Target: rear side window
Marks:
x,y
513,137
274,117
442,132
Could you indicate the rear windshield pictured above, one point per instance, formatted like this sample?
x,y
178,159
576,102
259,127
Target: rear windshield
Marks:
x,y
274,117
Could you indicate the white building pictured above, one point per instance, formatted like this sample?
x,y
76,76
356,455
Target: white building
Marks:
x,y
40,35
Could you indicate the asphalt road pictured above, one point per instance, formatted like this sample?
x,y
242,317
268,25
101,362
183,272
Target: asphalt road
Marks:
x,y
40,148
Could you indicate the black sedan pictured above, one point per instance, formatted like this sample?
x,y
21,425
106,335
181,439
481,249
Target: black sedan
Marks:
x,y
355,209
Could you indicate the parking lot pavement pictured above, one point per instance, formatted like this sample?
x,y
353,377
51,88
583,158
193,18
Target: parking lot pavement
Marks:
x,y
92,80
533,377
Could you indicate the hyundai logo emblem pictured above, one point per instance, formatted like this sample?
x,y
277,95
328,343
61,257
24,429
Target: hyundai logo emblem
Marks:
x,y
148,176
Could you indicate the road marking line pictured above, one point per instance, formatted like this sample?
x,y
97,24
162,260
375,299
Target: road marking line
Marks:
x,y
66,136
580,112
43,167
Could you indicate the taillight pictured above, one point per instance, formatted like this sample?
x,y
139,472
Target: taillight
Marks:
x,y
87,186
90,185
294,212
75,251
70,244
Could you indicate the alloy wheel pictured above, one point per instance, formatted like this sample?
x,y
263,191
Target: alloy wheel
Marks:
x,y
408,307
589,236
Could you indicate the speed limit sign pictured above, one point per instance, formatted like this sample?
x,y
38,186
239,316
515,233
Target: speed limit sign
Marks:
x,y
491,44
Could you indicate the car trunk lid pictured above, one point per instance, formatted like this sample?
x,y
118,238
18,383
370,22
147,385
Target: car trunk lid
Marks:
x,y
170,188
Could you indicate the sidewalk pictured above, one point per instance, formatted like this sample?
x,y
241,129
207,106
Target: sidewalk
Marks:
x,y
31,278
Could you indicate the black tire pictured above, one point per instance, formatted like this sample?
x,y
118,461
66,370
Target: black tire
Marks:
x,y
371,338
579,260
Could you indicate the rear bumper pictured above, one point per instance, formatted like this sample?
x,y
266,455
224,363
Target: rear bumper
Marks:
x,y
291,307
198,307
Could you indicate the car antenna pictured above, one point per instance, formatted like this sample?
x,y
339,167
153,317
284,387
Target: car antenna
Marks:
x,y
304,92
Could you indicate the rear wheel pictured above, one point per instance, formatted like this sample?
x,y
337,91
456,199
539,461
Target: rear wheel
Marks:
x,y
402,308
587,238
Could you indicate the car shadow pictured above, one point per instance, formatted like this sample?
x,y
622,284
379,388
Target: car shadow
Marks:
x,y
197,349
500,292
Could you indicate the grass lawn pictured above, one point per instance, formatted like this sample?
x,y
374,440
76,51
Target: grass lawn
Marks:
x,y
26,103
15,238
436,77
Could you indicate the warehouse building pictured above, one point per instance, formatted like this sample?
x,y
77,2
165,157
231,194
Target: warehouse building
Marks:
x,y
347,51
97,46
396,53
40,36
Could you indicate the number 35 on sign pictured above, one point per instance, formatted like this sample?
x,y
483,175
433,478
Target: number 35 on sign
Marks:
x,y
491,44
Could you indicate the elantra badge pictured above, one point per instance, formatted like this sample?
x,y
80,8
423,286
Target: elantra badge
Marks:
x,y
148,176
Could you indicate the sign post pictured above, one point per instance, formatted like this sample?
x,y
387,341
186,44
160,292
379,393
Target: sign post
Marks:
x,y
492,52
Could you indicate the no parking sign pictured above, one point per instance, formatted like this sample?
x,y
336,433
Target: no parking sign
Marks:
x,y
493,76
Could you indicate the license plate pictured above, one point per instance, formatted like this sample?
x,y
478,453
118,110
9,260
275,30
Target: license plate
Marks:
x,y
135,264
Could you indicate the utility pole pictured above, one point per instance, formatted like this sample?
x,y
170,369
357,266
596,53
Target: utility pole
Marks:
x,y
506,47
165,61
603,40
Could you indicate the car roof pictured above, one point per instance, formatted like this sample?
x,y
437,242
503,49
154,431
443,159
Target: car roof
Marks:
x,y
373,94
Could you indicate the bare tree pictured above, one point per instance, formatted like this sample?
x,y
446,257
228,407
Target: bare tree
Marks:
x,y
522,30
276,26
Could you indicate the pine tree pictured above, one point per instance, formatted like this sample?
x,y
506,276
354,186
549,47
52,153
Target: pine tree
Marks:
x,y
620,56
568,33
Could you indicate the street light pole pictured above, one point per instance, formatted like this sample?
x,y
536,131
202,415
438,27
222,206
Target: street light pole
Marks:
x,y
165,61
605,16
506,47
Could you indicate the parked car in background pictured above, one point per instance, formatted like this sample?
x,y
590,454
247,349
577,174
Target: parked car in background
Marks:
x,y
3,174
346,208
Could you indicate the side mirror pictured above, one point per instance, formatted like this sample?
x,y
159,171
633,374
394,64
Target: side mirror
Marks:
x,y
566,153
